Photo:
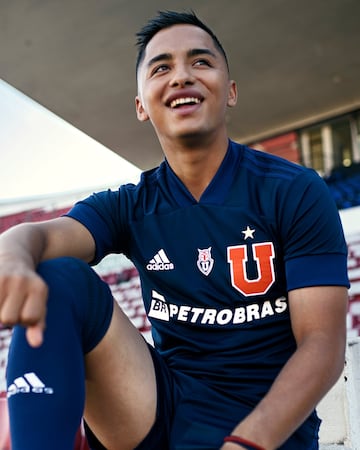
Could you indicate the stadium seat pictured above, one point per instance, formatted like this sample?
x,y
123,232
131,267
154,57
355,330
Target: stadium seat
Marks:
x,y
4,423
344,185
80,440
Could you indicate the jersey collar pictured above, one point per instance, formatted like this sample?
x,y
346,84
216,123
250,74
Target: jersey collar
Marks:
x,y
218,188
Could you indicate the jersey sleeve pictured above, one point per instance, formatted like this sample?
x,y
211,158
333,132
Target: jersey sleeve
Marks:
x,y
315,251
102,216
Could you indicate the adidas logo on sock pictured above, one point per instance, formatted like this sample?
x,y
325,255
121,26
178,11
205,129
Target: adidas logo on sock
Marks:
x,y
160,262
29,383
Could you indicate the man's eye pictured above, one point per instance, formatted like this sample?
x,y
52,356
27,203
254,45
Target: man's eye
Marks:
x,y
202,62
161,68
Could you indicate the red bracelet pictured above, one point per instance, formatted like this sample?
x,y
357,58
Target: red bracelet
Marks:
x,y
244,442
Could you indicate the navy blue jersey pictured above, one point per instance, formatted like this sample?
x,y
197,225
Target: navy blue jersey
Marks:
x,y
216,273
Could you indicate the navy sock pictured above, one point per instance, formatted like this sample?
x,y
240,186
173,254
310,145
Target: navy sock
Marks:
x,y
46,384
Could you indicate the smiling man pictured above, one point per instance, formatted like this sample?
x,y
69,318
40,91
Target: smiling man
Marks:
x,y
242,262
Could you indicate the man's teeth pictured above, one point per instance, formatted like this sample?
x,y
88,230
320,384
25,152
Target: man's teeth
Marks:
x,y
184,101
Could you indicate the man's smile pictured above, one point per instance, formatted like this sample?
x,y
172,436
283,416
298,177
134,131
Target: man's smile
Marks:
x,y
184,101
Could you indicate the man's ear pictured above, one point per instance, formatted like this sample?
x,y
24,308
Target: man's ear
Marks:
x,y
232,94
140,111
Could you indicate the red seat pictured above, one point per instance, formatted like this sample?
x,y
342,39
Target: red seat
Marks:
x,y
4,423
80,440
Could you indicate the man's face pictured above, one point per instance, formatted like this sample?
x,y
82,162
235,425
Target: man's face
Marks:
x,y
183,84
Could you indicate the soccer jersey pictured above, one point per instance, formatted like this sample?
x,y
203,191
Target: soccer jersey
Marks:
x,y
216,273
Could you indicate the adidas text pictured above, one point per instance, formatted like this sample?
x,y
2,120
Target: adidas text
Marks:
x,y
160,262
29,383
161,266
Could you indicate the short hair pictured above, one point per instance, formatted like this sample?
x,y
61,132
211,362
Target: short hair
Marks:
x,y
166,19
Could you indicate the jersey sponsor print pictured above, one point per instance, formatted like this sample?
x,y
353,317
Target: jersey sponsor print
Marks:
x,y
263,255
161,309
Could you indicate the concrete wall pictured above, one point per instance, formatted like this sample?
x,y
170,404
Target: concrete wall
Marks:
x,y
340,409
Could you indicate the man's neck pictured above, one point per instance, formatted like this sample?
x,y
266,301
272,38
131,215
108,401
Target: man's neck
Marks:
x,y
197,165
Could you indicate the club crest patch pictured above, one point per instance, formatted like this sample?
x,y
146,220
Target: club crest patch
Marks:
x,y
205,261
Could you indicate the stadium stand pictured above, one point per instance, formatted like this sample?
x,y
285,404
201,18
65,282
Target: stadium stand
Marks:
x,y
353,324
344,185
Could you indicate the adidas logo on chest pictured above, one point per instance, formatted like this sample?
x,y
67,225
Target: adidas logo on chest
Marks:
x,y
160,262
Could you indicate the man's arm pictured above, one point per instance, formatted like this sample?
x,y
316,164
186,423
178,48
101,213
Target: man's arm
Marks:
x,y
23,294
318,316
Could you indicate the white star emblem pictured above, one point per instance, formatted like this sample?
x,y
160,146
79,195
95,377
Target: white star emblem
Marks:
x,y
248,233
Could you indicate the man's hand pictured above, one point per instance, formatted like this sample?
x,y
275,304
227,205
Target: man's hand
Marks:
x,y
23,293
23,297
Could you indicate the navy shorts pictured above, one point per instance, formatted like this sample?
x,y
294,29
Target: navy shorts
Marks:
x,y
193,416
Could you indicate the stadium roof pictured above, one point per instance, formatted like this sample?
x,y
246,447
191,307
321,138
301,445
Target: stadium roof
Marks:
x,y
295,62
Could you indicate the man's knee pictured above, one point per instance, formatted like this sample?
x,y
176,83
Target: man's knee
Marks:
x,y
75,287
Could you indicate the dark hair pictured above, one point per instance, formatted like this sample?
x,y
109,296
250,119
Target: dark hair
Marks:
x,y
166,19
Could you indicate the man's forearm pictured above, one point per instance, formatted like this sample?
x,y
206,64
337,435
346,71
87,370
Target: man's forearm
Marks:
x,y
23,243
304,380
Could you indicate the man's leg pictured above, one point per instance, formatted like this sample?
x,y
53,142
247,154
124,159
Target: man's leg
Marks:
x,y
46,384
121,395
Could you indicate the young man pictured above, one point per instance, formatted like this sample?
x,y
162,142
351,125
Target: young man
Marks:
x,y
248,313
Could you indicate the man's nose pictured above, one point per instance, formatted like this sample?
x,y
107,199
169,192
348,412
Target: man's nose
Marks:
x,y
182,76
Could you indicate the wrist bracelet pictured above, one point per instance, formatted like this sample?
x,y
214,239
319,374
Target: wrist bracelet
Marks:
x,y
243,442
